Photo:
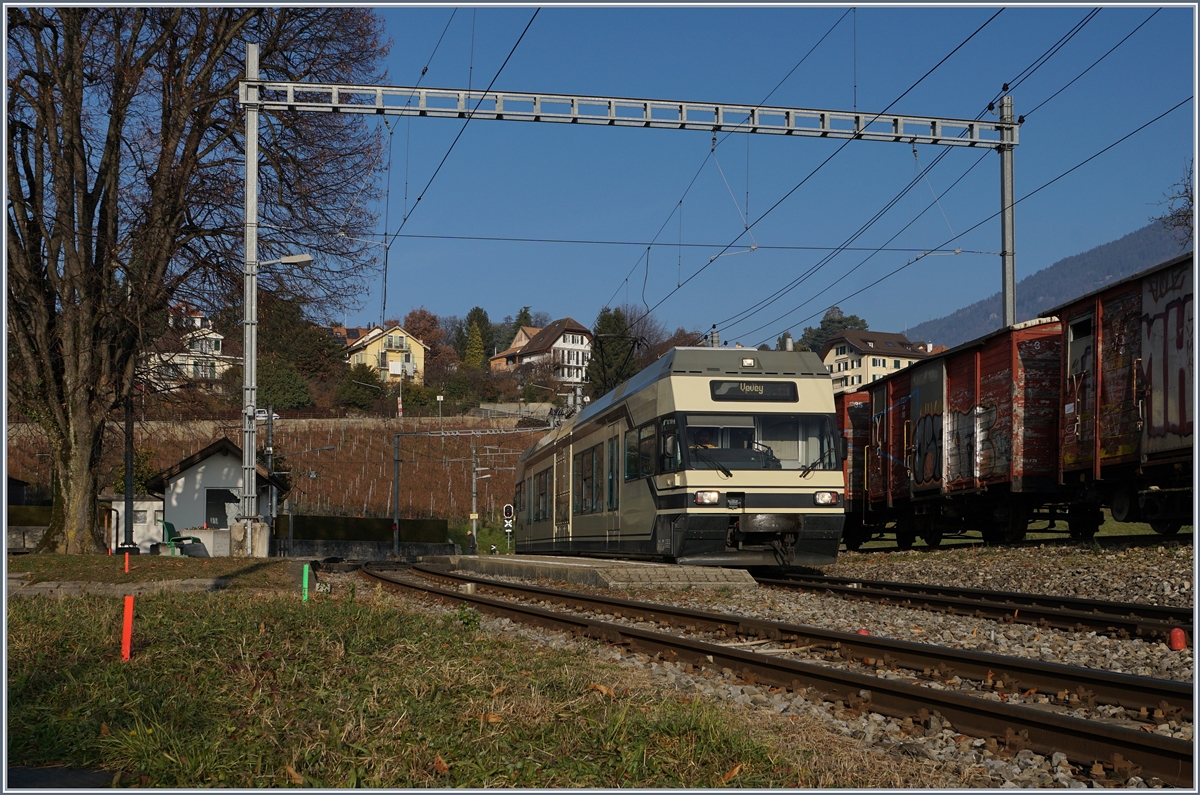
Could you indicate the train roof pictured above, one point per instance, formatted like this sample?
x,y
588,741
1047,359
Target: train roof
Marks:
x,y
975,343
1171,263
712,362
697,361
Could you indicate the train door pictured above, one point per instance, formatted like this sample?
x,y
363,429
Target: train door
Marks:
x,y
562,494
612,505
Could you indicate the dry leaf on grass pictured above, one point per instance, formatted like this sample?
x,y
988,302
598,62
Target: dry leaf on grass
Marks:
x,y
491,717
725,779
296,778
603,690
439,765
104,732
498,691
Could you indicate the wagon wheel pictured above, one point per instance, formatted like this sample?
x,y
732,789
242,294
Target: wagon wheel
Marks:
x,y
905,533
1009,522
1166,527
932,536
1084,521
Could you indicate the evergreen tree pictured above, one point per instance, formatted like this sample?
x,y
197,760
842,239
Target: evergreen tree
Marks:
x,y
473,355
835,321
281,386
523,318
143,470
613,358
479,317
355,389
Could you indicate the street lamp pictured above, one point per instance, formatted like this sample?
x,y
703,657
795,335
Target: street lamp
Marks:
x,y
249,507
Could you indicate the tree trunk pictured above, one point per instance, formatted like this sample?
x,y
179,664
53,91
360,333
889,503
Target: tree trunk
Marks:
x,y
73,519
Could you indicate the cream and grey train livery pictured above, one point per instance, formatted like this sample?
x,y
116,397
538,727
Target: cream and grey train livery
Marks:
x,y
709,456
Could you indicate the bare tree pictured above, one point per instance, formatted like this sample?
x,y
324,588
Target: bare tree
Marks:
x,y
124,175
1180,201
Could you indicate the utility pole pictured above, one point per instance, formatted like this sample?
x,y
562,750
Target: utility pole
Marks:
x,y
1008,242
396,497
474,489
270,453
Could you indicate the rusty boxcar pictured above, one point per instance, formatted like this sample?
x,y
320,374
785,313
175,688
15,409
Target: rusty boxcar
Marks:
x,y
966,439
1126,402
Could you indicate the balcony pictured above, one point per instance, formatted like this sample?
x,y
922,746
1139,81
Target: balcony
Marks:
x,y
396,344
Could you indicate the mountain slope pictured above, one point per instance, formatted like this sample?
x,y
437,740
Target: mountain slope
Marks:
x,y
1066,279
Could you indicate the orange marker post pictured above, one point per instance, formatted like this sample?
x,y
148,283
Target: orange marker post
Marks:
x,y
126,562
127,629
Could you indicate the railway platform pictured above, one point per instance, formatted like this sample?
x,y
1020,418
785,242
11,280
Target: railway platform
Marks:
x,y
597,572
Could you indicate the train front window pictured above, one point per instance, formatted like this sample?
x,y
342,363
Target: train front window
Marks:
x,y
761,441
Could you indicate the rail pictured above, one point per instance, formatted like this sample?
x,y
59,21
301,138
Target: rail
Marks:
x,y
1014,726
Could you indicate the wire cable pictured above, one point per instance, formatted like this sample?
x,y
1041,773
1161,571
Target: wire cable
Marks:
x,y
717,143
835,153
1029,195
463,129
1025,73
1098,60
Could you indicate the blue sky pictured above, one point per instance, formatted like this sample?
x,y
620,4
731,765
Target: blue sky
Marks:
x,y
510,179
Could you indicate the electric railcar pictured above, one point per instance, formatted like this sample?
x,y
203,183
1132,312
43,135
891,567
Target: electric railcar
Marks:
x,y
709,456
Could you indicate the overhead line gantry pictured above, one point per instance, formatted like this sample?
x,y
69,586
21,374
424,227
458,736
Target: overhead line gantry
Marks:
x,y
258,95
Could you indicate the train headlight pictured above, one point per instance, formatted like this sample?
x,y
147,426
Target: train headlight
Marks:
x,y
708,497
825,498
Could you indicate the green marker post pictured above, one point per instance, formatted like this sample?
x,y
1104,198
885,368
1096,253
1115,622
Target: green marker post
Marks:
x,y
305,588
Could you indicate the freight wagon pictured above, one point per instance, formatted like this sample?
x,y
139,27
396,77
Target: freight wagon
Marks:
x,y
962,440
707,457
1126,403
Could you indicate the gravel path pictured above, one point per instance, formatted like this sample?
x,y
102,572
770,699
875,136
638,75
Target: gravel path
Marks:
x,y
1157,575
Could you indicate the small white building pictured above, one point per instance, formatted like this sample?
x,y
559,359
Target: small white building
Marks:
x,y
147,512
200,496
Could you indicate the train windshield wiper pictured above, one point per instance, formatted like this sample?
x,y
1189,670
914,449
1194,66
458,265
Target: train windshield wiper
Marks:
x,y
700,453
808,468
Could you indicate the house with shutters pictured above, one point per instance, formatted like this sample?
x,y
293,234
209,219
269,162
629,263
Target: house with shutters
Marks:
x,y
564,347
856,356
395,354
191,351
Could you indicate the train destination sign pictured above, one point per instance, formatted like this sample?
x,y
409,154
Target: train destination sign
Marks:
x,y
766,391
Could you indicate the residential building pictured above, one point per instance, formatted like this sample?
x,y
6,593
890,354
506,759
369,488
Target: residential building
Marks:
x,y
200,497
564,346
191,350
506,360
392,352
345,335
855,357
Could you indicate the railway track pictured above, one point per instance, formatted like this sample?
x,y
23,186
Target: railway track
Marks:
x,y
1124,619
968,542
1046,728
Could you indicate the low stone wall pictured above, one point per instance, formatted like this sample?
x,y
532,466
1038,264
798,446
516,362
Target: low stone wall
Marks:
x,y
357,550
24,537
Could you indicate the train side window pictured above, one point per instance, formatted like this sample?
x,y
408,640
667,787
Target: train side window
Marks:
x,y
647,447
631,455
670,445
614,448
586,498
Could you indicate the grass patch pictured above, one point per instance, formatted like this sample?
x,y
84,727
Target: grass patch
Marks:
x,y
259,690
241,572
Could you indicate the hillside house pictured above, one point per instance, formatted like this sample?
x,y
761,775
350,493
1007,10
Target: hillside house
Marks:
x,y
564,346
393,353
191,351
855,357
